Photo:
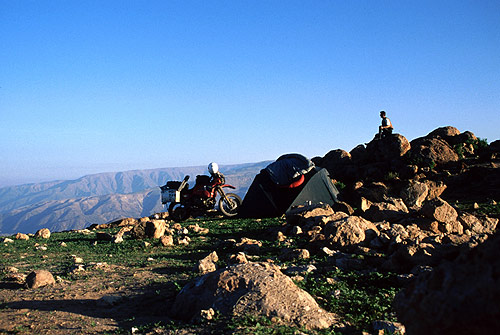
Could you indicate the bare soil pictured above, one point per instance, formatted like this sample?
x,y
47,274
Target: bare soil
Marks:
x,y
109,300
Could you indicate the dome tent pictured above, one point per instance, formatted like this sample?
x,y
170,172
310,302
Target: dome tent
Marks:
x,y
289,181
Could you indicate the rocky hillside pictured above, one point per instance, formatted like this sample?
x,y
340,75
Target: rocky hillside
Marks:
x,y
410,248
94,199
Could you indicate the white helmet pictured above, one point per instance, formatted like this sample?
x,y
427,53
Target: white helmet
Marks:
x,y
213,168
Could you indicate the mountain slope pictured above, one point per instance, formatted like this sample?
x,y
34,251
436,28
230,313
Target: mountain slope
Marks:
x,y
59,215
74,204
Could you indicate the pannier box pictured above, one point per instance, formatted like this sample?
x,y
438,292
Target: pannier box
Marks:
x,y
170,195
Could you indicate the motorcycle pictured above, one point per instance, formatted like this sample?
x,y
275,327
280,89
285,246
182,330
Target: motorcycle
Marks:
x,y
201,199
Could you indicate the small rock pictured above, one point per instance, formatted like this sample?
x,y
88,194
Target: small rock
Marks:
x,y
39,278
289,255
388,327
63,244
249,246
43,233
280,237
167,240
183,240
207,314
239,258
76,259
109,300
207,264
8,240
296,230
21,236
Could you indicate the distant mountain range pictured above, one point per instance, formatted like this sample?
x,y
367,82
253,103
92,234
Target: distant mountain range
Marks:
x,y
100,198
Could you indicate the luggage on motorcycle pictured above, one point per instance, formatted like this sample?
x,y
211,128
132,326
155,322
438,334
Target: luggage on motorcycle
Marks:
x,y
173,184
202,180
170,192
170,195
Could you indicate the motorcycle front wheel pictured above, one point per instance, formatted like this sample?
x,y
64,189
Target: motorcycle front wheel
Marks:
x,y
178,212
231,206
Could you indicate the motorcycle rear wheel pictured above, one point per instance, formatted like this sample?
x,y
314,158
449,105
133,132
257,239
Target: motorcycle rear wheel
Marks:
x,y
231,207
178,212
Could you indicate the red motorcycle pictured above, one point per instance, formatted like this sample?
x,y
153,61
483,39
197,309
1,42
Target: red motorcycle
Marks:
x,y
201,199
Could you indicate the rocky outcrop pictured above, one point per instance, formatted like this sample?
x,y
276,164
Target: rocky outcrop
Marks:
x,y
457,297
251,289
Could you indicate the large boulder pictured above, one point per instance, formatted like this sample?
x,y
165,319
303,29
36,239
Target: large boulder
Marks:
x,y
439,210
414,194
338,163
388,148
350,231
431,151
457,297
447,133
392,209
258,289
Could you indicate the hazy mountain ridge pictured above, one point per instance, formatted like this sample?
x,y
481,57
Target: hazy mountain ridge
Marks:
x,y
99,198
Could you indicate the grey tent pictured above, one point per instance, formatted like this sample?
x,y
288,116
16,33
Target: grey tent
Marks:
x,y
289,181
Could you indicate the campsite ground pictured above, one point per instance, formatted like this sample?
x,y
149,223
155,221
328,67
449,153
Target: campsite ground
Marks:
x,y
128,287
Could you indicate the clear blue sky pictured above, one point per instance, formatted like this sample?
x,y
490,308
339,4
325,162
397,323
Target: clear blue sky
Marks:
x,y
96,86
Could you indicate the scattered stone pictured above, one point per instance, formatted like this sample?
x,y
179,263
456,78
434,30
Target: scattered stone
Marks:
x,y
310,214
63,244
76,259
155,228
435,189
280,237
381,211
43,233
439,210
207,264
21,236
350,231
414,194
167,240
296,230
39,278
83,231
8,240
207,314
299,270
198,230
239,258
344,207
249,246
388,327
294,254
183,240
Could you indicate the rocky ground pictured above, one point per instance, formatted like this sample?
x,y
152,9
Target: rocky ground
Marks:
x,y
423,210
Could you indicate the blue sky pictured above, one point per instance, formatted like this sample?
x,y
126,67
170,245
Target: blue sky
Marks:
x,y
97,86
